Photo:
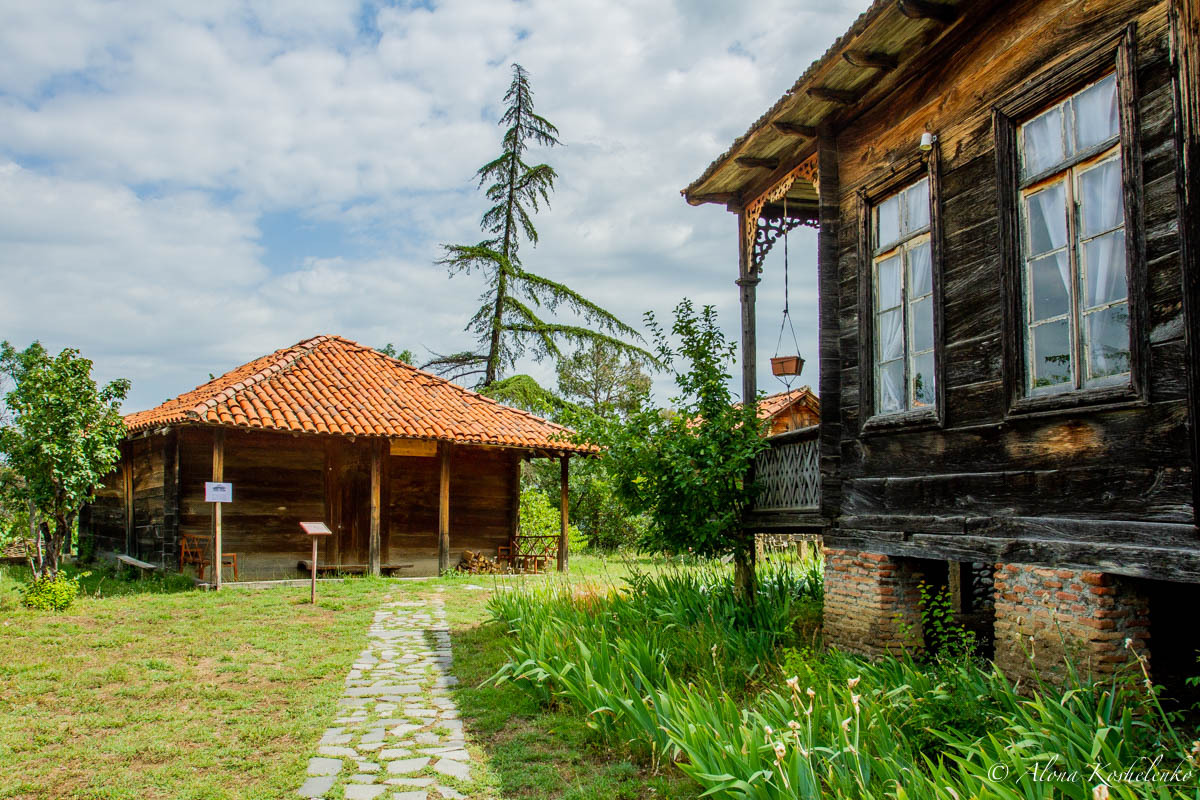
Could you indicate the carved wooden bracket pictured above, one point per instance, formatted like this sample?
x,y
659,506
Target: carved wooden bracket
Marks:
x,y
761,234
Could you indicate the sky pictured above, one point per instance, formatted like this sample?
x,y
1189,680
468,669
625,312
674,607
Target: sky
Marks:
x,y
186,186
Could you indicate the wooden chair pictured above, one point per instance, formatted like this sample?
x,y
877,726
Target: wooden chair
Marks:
x,y
194,550
504,556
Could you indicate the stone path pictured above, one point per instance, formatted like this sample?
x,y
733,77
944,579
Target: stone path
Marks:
x,y
398,736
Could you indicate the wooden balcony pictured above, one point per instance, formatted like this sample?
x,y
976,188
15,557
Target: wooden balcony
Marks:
x,y
789,477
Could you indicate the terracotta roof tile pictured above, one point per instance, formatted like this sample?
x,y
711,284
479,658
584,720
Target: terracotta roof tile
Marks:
x,y
772,404
328,384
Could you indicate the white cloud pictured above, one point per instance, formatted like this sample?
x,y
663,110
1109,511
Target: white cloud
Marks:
x,y
140,148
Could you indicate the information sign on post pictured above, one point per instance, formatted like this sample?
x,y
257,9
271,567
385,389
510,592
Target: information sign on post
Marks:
x,y
218,492
315,529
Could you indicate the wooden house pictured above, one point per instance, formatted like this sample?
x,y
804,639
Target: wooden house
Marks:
x,y
790,410
406,468
1006,203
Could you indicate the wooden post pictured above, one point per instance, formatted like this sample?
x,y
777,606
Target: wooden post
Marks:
x,y
444,509
747,282
376,482
127,485
1185,51
218,472
828,198
958,579
313,592
564,522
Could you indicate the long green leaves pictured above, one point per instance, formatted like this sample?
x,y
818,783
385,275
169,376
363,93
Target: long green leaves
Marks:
x,y
674,667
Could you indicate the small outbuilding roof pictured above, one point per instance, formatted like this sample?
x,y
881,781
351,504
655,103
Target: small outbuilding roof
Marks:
x,y
773,404
332,385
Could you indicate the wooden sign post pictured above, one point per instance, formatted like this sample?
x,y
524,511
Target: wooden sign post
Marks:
x,y
314,529
217,493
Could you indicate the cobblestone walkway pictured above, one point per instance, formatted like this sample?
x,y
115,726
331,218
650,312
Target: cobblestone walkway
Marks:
x,y
398,736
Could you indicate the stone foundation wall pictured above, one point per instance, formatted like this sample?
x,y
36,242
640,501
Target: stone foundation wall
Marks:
x,y
1055,613
871,603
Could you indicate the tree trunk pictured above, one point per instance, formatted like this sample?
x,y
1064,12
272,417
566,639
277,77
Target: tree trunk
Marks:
x,y
744,579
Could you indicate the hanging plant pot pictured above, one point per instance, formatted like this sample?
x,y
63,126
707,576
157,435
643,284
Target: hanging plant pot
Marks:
x,y
786,365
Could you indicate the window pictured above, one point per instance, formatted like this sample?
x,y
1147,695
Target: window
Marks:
x,y
1073,251
903,302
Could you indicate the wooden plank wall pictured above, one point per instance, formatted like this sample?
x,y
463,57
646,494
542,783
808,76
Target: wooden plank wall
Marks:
x,y
103,521
1127,463
484,487
278,481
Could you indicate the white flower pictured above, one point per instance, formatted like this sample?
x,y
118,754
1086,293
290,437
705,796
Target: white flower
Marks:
x,y
852,682
768,730
794,725
854,699
794,683
1100,792
811,694
780,751
1128,644
846,723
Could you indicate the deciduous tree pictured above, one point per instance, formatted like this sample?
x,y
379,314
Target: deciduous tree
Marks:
x,y
62,437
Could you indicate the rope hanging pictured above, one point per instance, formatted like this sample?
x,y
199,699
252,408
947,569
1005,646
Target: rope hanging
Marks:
x,y
786,379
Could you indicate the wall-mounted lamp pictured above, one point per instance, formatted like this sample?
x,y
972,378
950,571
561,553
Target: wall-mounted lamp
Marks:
x,y
927,140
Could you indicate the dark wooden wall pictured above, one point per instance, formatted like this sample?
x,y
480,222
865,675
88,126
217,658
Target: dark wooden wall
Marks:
x,y
484,490
985,471
280,480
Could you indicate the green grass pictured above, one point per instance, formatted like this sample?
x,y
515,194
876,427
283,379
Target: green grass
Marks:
x,y
146,689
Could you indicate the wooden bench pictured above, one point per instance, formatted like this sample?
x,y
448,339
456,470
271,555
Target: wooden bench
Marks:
x,y
305,566
133,562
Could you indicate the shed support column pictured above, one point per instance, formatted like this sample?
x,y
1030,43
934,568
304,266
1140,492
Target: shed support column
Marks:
x,y
444,509
218,476
564,521
376,484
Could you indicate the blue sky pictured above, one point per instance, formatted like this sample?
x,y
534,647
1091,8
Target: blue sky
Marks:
x,y
185,186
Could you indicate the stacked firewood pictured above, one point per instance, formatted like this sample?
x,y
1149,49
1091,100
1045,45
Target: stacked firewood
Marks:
x,y
478,564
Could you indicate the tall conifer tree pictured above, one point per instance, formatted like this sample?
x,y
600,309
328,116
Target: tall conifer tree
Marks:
x,y
509,323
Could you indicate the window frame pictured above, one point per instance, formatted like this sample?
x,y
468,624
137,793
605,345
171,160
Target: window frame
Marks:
x,y
913,169
1117,56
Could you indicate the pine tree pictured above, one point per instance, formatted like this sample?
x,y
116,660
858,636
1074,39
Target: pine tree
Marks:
x,y
509,324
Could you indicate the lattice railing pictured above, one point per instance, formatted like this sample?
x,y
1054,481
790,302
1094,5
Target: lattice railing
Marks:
x,y
789,473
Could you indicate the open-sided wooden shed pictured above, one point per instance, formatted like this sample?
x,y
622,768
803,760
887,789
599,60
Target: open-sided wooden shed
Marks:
x,y
406,468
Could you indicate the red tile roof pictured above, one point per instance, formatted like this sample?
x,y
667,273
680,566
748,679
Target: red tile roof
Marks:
x,y
332,385
773,404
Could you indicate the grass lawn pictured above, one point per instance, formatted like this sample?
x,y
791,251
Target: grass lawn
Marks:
x,y
202,695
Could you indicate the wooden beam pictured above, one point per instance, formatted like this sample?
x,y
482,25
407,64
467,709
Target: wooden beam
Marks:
x,y
839,96
376,488
958,581
218,475
564,521
791,129
924,9
722,198
747,283
444,509
871,59
757,163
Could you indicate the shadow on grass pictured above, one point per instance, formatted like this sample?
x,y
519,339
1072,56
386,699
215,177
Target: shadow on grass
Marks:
x,y
533,752
103,581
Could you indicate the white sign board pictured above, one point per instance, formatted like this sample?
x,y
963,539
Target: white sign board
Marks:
x,y
315,528
218,492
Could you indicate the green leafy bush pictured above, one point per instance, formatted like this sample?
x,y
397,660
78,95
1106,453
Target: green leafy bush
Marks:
x,y
539,517
52,594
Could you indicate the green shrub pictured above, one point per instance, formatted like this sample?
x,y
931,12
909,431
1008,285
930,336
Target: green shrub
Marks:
x,y
52,594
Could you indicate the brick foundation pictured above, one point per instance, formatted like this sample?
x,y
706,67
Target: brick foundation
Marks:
x,y
1057,613
871,603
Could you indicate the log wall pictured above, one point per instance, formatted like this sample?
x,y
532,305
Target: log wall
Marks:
x,y
1111,465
